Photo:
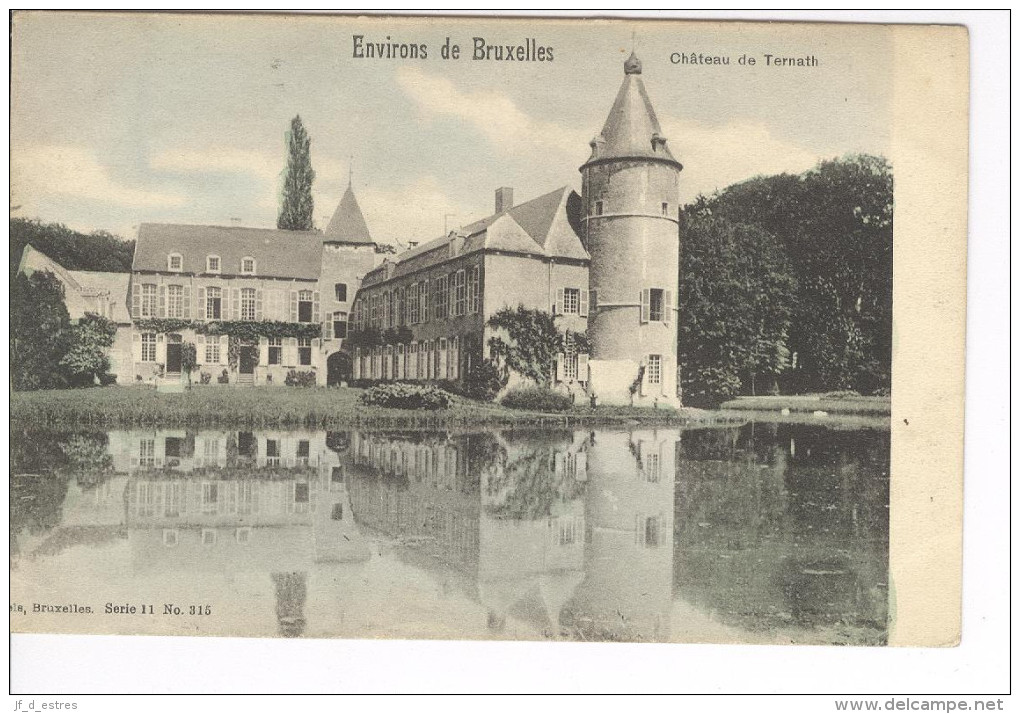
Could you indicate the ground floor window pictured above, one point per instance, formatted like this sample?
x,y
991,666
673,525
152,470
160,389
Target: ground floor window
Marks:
x,y
148,347
655,369
304,351
212,351
275,350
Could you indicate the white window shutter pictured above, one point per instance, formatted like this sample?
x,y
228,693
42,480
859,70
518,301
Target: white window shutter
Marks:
x,y
186,301
258,306
583,310
263,351
558,310
327,330
136,300
235,304
291,350
293,305
199,349
162,300
582,367
645,304
200,305
315,306
136,347
161,349
559,366
224,348
667,308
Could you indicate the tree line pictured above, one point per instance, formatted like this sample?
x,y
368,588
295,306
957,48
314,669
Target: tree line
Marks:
x,y
786,283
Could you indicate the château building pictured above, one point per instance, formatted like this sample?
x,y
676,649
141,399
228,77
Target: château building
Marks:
x,y
269,306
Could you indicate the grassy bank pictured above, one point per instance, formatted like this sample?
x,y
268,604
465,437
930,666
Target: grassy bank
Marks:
x,y
878,406
270,407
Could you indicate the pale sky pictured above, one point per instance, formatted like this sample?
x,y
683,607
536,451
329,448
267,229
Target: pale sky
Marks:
x,y
119,120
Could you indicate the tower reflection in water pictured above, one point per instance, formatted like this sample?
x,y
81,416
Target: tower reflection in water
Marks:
x,y
625,534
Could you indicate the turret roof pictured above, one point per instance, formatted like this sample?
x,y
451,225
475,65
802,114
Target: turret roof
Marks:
x,y
348,223
632,130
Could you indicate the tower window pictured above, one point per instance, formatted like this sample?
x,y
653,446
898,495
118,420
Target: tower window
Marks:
x,y
341,292
655,369
598,208
656,305
665,209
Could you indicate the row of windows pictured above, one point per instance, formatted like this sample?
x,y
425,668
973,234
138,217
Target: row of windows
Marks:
x,y
174,301
452,295
213,264
213,349
599,206
430,359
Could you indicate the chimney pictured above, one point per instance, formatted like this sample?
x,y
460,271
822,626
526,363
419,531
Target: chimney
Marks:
x,y
412,244
504,199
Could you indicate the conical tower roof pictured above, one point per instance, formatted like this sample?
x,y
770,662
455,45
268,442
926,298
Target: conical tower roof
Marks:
x,y
632,130
348,223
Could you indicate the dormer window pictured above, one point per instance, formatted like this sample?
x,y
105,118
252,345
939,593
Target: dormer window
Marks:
x,y
665,209
212,264
175,262
247,265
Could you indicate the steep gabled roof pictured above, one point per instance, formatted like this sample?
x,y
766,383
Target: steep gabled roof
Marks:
x,y
348,223
544,226
279,254
631,130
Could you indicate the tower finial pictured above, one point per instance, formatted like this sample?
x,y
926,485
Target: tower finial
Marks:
x,y
632,65
350,173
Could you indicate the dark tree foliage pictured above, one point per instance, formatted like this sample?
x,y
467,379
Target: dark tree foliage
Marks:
x,y
296,211
99,250
87,357
40,332
835,224
736,300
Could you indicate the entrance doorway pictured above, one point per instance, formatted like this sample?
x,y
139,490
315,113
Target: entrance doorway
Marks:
x,y
173,354
247,358
338,368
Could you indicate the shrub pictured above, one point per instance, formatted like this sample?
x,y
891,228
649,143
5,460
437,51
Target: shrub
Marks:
x,y
300,379
107,379
484,381
842,394
537,399
406,396
205,378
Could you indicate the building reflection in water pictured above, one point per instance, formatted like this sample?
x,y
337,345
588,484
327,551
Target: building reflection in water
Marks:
x,y
563,534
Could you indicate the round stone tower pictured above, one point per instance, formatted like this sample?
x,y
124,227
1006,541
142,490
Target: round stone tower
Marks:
x,y
631,197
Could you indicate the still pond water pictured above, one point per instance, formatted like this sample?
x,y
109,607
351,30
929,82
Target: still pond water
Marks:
x,y
770,533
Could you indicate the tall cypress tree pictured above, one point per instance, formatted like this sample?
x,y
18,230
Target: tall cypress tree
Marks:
x,y
296,211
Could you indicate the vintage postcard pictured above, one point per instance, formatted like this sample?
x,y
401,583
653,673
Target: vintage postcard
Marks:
x,y
487,328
